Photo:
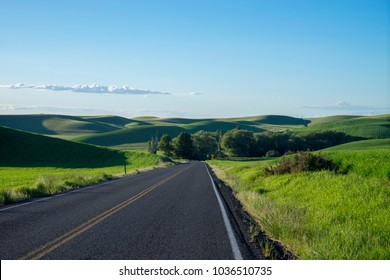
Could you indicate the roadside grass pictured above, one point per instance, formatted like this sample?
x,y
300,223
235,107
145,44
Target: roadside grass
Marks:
x,y
321,215
21,183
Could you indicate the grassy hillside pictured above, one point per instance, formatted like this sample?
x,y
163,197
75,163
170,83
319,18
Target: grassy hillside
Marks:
x,y
143,128
330,119
322,215
34,165
368,127
64,126
22,149
113,121
270,119
362,145
136,134
224,126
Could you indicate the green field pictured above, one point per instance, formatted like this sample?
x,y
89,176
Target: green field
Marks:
x,y
322,215
363,145
375,127
34,165
136,134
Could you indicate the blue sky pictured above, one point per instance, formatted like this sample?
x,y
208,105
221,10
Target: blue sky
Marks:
x,y
195,58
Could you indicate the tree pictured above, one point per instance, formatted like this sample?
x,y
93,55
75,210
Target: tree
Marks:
x,y
153,144
165,145
204,144
183,146
238,142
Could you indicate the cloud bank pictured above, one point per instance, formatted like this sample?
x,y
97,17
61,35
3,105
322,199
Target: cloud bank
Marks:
x,y
94,88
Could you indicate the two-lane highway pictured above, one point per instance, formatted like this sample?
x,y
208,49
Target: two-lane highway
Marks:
x,y
171,213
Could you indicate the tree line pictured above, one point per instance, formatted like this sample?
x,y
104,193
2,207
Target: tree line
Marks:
x,y
243,143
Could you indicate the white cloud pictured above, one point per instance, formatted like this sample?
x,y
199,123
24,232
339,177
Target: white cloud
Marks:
x,y
94,88
194,93
9,107
342,104
63,110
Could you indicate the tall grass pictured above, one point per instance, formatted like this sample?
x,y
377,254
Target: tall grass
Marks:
x,y
20,183
321,215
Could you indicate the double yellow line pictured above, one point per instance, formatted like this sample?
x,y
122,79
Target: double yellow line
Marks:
x,y
56,243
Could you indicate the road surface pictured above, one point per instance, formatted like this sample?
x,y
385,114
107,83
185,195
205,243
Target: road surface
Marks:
x,y
171,213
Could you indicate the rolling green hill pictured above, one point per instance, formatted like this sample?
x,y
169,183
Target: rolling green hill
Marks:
x,y
144,127
137,134
224,126
22,149
60,125
270,120
375,127
123,133
363,145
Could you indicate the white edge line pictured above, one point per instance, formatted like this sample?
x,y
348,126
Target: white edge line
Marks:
x,y
233,242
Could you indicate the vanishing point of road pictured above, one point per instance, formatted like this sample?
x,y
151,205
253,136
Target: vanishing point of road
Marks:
x,y
170,213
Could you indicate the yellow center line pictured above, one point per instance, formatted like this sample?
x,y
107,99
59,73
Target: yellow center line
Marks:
x,y
56,243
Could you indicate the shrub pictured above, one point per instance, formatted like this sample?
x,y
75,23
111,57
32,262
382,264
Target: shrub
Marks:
x,y
301,162
272,153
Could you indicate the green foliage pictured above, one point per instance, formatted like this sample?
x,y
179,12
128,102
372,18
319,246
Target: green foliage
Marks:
x,y
323,139
205,144
272,153
153,144
241,143
300,162
183,146
165,145
238,142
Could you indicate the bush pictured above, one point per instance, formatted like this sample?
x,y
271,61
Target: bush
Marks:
x,y
272,153
301,162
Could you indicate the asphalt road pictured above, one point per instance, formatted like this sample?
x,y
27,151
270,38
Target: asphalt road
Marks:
x,y
171,213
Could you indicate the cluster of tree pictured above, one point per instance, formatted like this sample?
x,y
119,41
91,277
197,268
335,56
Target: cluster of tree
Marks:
x,y
243,143
199,146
